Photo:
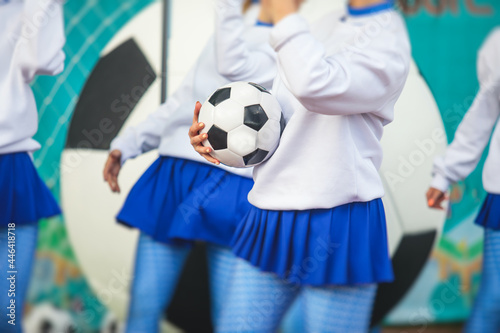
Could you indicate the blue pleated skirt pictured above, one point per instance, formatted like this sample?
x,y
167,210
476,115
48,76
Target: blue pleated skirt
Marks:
x,y
175,202
24,197
214,209
489,216
344,245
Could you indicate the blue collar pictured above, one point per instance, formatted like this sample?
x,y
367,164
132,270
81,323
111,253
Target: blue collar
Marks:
x,y
370,9
263,24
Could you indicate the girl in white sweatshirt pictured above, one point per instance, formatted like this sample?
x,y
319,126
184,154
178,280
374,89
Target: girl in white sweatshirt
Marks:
x,y
317,225
31,42
170,204
460,159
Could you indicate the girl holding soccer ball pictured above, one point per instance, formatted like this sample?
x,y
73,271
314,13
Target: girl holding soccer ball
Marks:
x,y
317,225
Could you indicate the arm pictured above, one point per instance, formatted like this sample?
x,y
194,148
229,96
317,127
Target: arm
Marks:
x,y
353,81
135,141
39,49
236,60
471,138
473,134
146,135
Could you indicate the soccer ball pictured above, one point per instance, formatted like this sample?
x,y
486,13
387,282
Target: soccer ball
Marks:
x,y
45,318
244,124
111,324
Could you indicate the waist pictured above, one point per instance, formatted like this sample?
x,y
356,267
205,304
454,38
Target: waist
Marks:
x,y
24,145
304,192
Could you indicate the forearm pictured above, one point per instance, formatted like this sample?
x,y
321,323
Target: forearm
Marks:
x,y
471,138
148,134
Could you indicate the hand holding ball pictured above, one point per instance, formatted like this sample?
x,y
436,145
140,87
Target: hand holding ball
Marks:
x,y
243,122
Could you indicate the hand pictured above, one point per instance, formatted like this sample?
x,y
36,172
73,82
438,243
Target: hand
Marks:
x,y
112,168
435,198
282,8
197,138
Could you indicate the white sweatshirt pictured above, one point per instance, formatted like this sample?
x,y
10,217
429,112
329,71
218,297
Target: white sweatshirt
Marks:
x,y
474,132
337,84
167,127
31,42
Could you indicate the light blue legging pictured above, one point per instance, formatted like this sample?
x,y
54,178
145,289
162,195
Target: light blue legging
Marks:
x,y
25,245
221,263
485,316
257,302
156,273
339,309
157,270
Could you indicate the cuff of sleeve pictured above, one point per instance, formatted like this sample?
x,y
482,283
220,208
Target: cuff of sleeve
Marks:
x,y
440,182
286,29
127,153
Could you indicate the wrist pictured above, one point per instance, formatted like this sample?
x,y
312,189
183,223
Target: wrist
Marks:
x,y
265,17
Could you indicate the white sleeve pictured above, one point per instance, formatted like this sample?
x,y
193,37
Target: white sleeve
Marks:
x,y
39,49
488,57
147,135
349,82
236,59
474,132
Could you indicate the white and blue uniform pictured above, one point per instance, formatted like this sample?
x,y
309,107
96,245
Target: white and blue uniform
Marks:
x,y
182,197
27,49
462,157
166,130
317,225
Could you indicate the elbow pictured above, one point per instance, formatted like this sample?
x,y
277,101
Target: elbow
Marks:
x,y
317,96
51,67
56,66
302,89
232,74
225,71
34,61
320,84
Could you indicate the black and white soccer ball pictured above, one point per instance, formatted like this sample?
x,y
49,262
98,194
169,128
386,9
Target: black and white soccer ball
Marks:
x,y
45,318
111,324
244,124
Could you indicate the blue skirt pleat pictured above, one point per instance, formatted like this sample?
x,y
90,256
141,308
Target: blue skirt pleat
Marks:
x,y
489,216
152,203
345,245
178,201
214,209
24,197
